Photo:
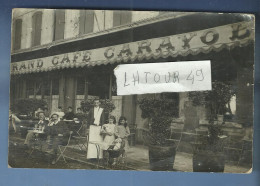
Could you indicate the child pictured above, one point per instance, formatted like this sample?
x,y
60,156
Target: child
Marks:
x,y
122,131
115,151
108,130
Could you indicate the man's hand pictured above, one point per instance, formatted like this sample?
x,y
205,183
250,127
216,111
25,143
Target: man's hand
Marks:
x,y
60,134
71,132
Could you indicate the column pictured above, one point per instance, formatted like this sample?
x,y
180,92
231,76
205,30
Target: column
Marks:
x,y
70,91
61,91
129,108
244,104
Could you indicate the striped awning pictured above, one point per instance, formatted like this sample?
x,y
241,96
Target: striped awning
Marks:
x,y
202,41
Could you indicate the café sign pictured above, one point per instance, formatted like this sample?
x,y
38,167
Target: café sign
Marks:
x,y
213,39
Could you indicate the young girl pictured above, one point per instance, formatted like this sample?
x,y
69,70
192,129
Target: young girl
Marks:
x,y
108,130
122,131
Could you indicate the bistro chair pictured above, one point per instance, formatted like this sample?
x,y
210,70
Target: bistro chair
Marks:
x,y
81,138
62,149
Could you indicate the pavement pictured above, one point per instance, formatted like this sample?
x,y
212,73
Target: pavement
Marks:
x,y
137,159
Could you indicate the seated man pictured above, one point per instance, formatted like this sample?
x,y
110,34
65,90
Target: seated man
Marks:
x,y
80,115
40,126
57,132
69,115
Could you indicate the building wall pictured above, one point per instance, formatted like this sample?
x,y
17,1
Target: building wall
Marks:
x,y
71,24
47,26
26,30
103,20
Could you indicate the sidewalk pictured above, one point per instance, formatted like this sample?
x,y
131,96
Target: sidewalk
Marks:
x,y
138,159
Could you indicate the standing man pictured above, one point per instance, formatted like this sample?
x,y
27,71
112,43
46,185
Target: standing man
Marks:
x,y
95,120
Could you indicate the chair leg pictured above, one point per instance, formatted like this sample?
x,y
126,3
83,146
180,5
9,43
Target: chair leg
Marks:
x,y
31,153
61,155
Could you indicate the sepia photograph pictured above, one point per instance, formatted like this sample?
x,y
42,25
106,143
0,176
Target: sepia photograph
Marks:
x,y
131,90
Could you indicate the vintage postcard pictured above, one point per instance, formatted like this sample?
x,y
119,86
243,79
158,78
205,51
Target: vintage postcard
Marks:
x,y
131,90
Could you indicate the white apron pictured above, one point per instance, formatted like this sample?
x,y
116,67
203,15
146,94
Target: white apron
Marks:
x,y
94,137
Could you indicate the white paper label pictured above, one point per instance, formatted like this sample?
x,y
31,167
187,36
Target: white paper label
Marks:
x,y
163,77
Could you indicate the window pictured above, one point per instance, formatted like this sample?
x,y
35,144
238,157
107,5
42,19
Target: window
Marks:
x,y
59,24
30,88
17,34
121,18
55,86
36,28
80,86
86,21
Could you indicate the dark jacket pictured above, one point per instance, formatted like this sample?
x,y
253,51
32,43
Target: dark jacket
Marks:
x,y
69,116
91,117
59,128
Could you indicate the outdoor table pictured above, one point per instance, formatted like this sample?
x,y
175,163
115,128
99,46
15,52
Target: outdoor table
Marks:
x,y
39,135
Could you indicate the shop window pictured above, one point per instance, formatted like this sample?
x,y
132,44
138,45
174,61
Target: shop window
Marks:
x,y
46,87
59,25
86,21
80,86
98,84
30,88
38,88
36,28
121,18
17,34
55,86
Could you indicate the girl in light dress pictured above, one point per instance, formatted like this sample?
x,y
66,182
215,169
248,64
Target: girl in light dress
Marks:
x,y
122,131
108,130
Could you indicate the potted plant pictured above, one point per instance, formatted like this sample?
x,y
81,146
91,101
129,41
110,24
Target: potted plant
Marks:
x,y
208,153
215,100
159,113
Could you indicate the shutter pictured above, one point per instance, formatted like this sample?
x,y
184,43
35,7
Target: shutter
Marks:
x,y
59,24
116,18
82,18
89,21
17,34
38,28
33,28
126,17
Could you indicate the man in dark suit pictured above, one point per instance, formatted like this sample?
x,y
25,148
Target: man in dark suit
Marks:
x,y
40,126
58,133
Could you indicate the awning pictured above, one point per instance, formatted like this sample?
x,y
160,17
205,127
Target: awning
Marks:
x,y
202,41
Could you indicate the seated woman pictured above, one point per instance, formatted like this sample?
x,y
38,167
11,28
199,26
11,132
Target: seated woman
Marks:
x,y
108,130
57,132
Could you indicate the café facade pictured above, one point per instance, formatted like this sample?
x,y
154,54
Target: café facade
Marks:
x,y
66,73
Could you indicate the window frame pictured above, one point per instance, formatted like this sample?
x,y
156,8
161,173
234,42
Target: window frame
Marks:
x,y
17,45
36,29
